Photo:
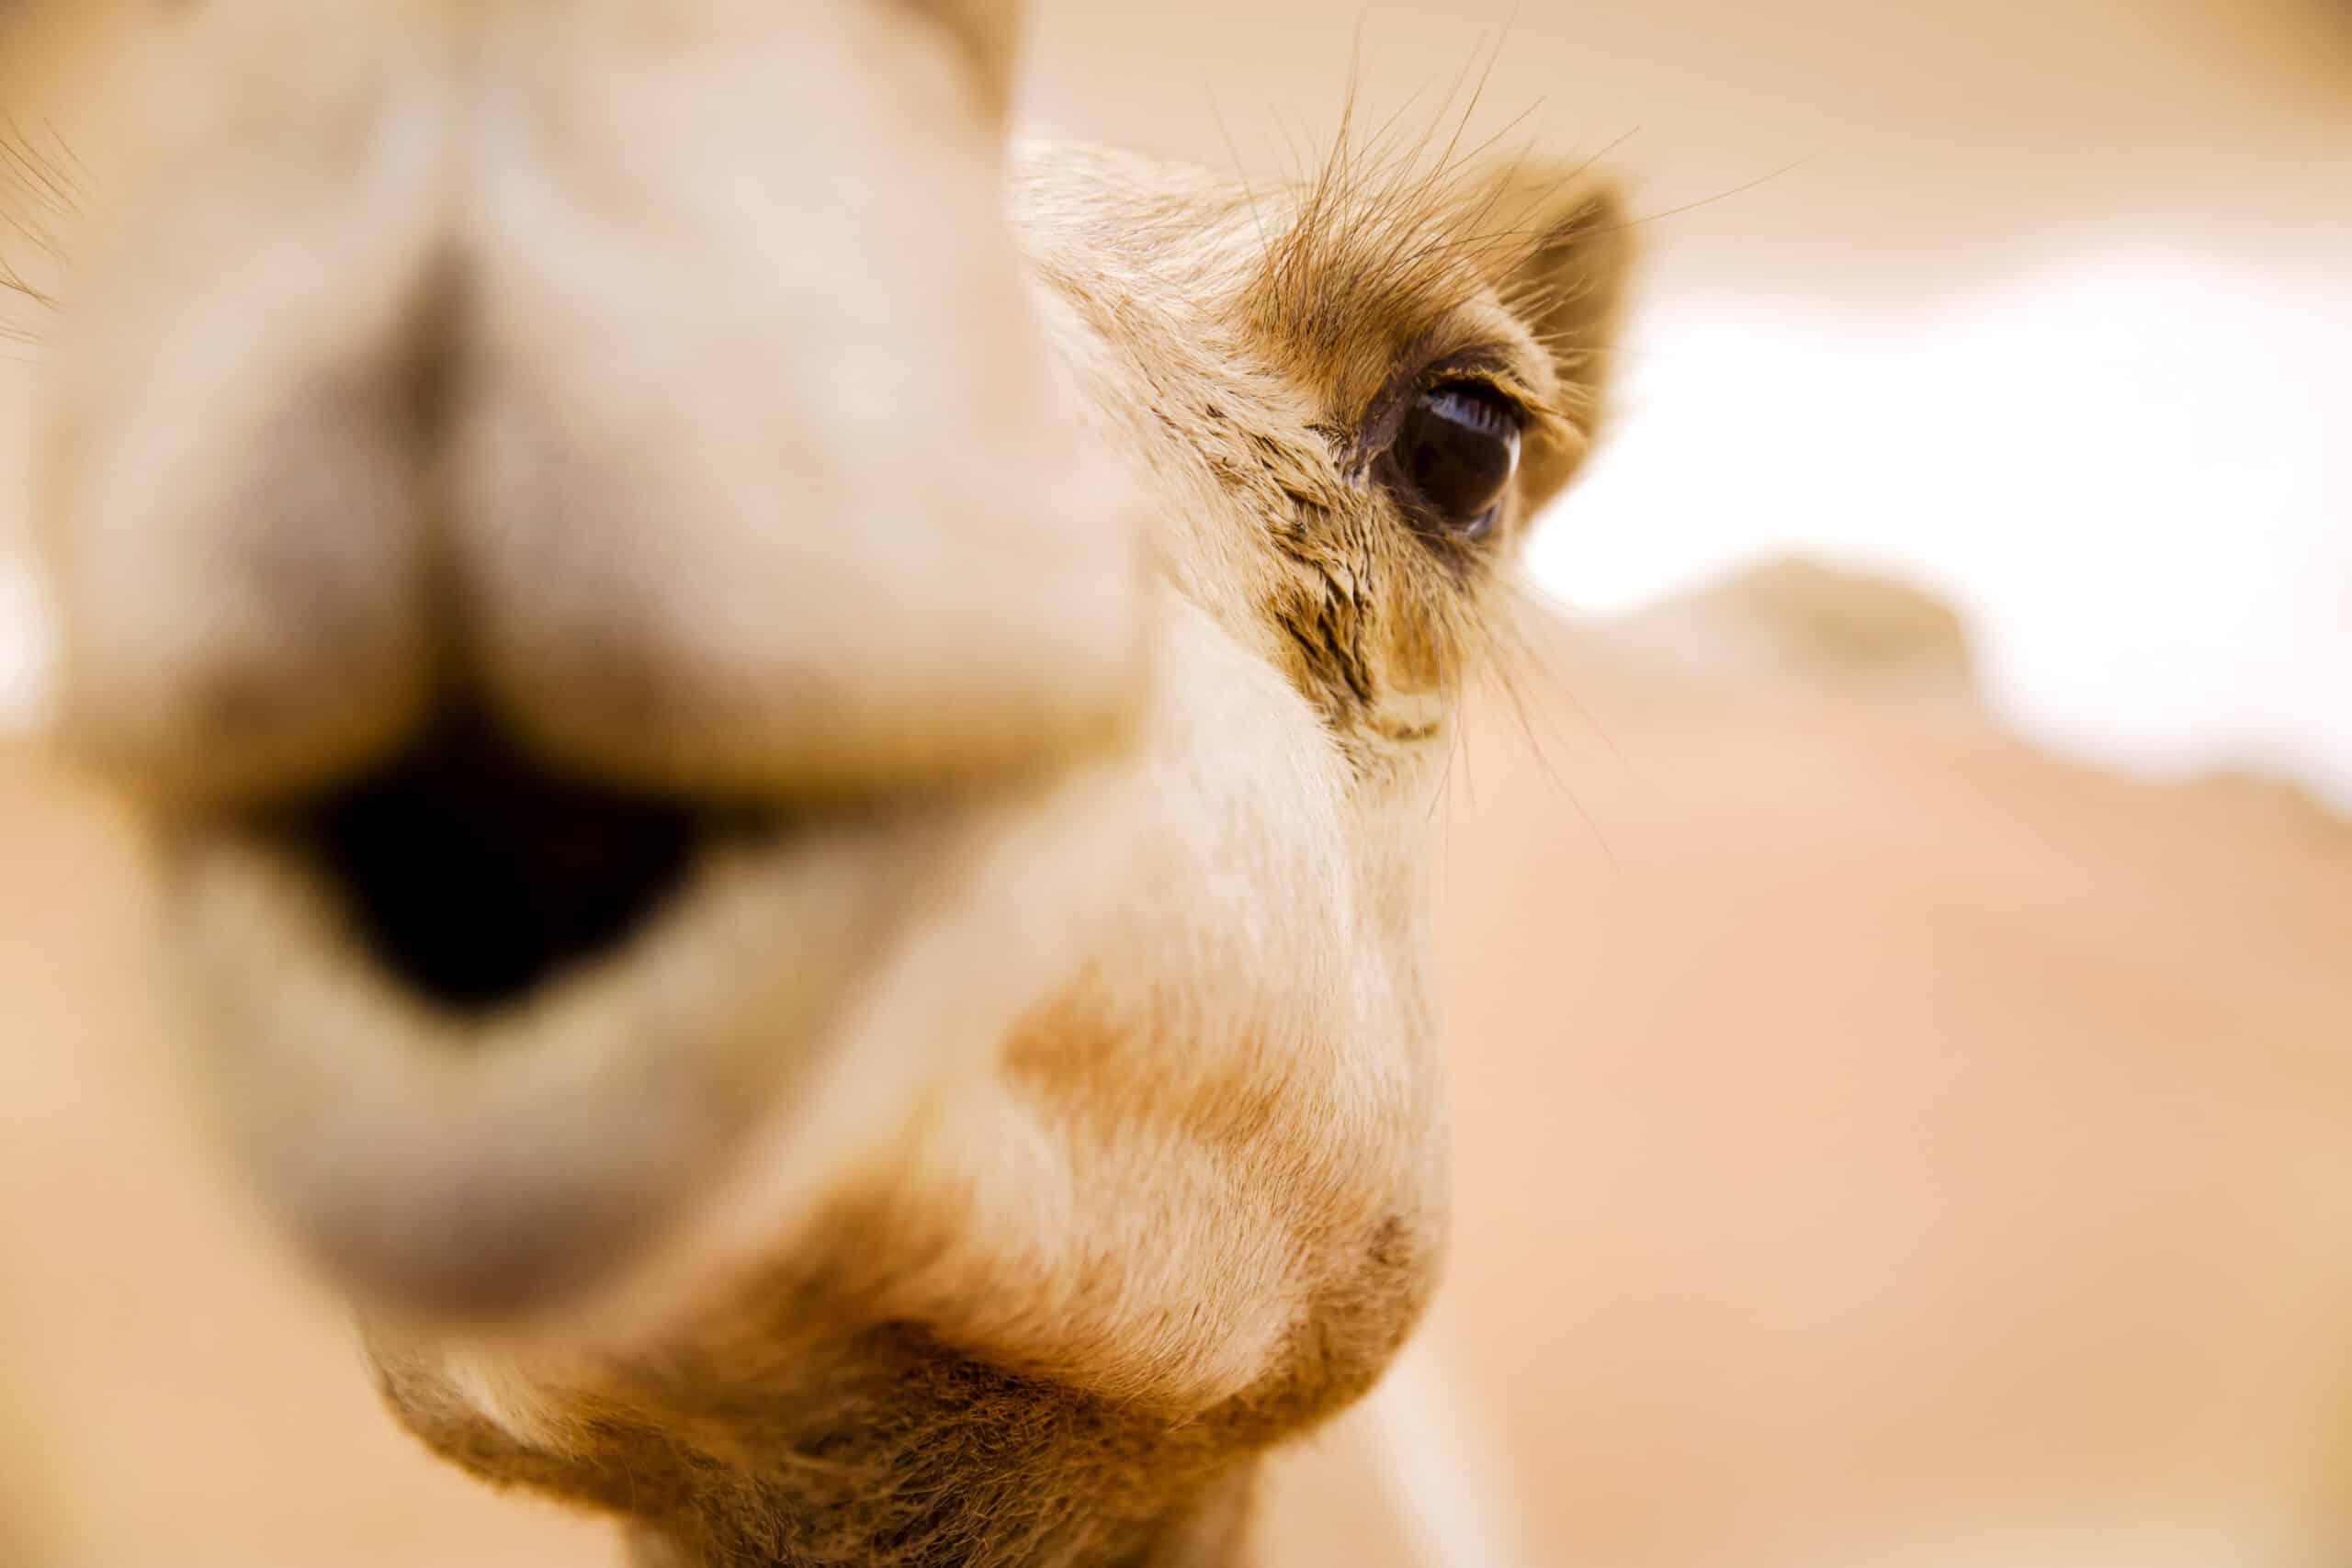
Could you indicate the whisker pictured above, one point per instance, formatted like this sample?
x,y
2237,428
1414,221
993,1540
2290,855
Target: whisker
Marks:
x,y
1741,189
1249,190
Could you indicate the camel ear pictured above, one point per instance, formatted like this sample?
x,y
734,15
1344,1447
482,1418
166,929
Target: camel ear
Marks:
x,y
1567,280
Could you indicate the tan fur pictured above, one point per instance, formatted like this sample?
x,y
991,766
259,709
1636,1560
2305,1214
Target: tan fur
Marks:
x,y
990,1164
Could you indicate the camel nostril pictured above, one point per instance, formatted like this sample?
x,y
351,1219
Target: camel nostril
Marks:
x,y
474,874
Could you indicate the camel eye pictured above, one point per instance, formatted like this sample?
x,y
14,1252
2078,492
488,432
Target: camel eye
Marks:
x,y
1457,451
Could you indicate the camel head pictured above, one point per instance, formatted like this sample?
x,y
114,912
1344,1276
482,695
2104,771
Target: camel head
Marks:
x,y
791,745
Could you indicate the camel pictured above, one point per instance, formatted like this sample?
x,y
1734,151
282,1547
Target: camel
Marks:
x,y
791,743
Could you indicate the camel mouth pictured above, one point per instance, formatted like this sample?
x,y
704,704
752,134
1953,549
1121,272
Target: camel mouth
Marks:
x,y
482,1029
474,874
492,1042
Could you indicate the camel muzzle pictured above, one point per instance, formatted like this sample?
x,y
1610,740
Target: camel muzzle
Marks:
x,y
578,549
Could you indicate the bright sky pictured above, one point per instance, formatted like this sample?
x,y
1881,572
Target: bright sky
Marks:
x,y
2132,469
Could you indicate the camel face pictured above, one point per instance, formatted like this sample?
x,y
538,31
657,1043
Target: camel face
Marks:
x,y
791,745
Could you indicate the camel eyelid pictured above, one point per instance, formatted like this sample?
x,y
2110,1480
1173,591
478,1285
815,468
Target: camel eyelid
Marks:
x,y
1488,364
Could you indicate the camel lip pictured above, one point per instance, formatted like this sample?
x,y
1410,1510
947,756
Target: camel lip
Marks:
x,y
560,1163
476,929
483,1163
715,909
476,873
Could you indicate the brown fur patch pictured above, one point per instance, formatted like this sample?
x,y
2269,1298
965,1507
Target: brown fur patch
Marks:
x,y
1280,331
790,1437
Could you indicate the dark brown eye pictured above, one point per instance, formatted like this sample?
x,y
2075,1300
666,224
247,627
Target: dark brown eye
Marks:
x,y
1457,451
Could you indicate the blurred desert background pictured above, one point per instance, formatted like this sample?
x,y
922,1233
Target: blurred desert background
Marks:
x,y
1898,939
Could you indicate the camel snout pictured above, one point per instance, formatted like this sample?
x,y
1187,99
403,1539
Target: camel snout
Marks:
x,y
562,533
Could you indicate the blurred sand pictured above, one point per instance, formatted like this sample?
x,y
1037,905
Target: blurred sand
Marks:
x,y
1936,141
1871,1130
1875,1132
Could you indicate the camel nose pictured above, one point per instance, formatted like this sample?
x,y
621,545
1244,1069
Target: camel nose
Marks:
x,y
495,409
241,539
